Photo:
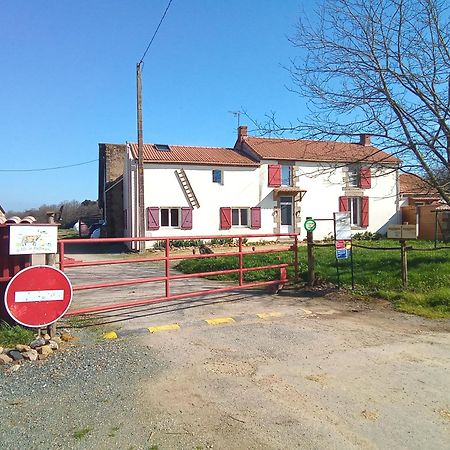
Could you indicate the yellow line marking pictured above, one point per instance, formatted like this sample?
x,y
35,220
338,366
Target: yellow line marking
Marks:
x,y
110,335
220,321
169,327
269,315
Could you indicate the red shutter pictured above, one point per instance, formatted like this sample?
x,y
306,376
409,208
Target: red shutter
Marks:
x,y
364,211
225,218
274,175
186,218
152,218
255,216
365,178
343,204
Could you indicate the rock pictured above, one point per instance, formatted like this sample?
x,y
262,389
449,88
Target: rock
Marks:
x,y
204,250
39,342
46,337
57,339
5,359
53,345
15,355
67,337
22,348
1,350
45,350
42,357
30,355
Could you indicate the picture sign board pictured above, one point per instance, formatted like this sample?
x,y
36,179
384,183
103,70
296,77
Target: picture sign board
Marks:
x,y
402,232
343,226
32,239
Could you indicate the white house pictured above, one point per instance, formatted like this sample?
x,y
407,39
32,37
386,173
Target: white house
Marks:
x,y
262,185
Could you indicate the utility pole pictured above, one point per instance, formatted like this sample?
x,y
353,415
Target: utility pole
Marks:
x,y
140,174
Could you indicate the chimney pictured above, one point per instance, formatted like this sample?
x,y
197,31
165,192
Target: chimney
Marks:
x,y
242,132
364,139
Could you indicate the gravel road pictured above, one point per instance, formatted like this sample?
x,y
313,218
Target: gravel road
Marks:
x,y
312,373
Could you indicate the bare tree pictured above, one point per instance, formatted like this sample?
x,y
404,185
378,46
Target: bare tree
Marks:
x,y
380,67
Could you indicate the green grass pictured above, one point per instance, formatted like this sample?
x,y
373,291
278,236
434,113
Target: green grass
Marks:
x,y
376,272
64,233
12,335
80,434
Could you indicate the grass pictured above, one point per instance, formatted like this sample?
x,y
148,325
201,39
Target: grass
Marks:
x,y
69,233
11,335
376,272
82,433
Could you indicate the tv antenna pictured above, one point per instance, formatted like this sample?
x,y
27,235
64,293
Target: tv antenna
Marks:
x,y
238,115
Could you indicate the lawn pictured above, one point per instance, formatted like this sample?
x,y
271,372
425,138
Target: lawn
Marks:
x,y
376,273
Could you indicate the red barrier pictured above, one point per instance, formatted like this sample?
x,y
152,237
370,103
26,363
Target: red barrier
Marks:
x,y
66,264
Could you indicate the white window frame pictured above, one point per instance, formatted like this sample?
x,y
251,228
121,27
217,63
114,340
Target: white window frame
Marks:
x,y
355,205
169,217
240,211
353,175
221,176
290,174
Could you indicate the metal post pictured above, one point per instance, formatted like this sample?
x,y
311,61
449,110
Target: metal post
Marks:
x,y
167,267
351,264
140,174
335,254
296,258
311,258
50,260
241,263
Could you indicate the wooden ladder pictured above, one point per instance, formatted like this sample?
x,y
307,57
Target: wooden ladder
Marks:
x,y
183,179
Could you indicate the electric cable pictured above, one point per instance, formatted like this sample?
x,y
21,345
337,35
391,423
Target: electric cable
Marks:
x,y
49,168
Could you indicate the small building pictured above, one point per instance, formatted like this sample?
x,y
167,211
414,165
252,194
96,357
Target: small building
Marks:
x,y
260,186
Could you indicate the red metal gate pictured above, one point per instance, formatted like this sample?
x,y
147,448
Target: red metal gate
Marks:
x,y
66,264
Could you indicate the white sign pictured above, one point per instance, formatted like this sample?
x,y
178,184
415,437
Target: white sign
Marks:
x,y
343,226
32,239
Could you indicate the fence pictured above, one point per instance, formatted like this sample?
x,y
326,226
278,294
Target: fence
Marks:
x,y
167,277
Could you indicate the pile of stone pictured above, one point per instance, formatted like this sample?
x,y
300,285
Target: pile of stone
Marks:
x,y
39,349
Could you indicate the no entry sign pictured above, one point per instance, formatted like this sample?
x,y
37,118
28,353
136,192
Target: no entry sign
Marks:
x,y
38,296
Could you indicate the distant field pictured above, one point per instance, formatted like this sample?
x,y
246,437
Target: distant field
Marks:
x,y
376,273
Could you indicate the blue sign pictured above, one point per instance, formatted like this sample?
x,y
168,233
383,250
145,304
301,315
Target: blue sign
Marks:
x,y
342,253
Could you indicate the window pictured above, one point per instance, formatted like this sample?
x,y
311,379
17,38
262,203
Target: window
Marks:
x,y
217,176
170,217
353,176
286,175
162,147
354,206
239,217
358,208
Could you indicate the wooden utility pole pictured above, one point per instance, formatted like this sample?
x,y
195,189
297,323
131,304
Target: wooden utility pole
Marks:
x,y
140,174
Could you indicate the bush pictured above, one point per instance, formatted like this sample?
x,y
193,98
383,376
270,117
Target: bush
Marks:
x,y
367,236
11,335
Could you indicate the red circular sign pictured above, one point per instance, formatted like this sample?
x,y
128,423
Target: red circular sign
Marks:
x,y
38,296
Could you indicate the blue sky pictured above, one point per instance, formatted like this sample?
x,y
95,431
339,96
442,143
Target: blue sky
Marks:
x,y
68,82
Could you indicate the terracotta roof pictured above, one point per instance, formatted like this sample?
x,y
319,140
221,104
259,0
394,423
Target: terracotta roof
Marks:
x,y
308,150
411,184
194,155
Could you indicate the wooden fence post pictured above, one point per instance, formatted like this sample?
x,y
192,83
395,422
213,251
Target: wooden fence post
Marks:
x,y
311,259
403,251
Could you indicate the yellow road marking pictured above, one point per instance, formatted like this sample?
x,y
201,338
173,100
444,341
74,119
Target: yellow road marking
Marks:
x,y
220,321
169,327
269,315
110,335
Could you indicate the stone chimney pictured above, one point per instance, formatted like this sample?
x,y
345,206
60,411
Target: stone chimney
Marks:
x,y
364,139
242,133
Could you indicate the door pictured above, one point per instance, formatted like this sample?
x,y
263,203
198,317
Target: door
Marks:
x,y
287,214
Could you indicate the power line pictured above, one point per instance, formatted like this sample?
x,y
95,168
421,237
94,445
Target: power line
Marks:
x,y
48,168
156,31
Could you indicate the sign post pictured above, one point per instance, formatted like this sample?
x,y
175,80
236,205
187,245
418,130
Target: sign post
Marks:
x,y
37,296
343,241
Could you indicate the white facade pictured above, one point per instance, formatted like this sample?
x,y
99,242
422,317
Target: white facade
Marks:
x,y
316,191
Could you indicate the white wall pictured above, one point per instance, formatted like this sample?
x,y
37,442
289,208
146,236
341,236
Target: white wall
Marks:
x,y
241,188
247,187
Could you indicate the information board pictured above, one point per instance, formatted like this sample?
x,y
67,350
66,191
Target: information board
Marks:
x,y
32,239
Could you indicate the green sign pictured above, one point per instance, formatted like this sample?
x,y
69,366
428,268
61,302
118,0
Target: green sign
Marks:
x,y
310,225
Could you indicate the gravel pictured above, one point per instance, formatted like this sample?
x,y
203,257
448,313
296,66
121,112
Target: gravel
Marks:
x,y
81,397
